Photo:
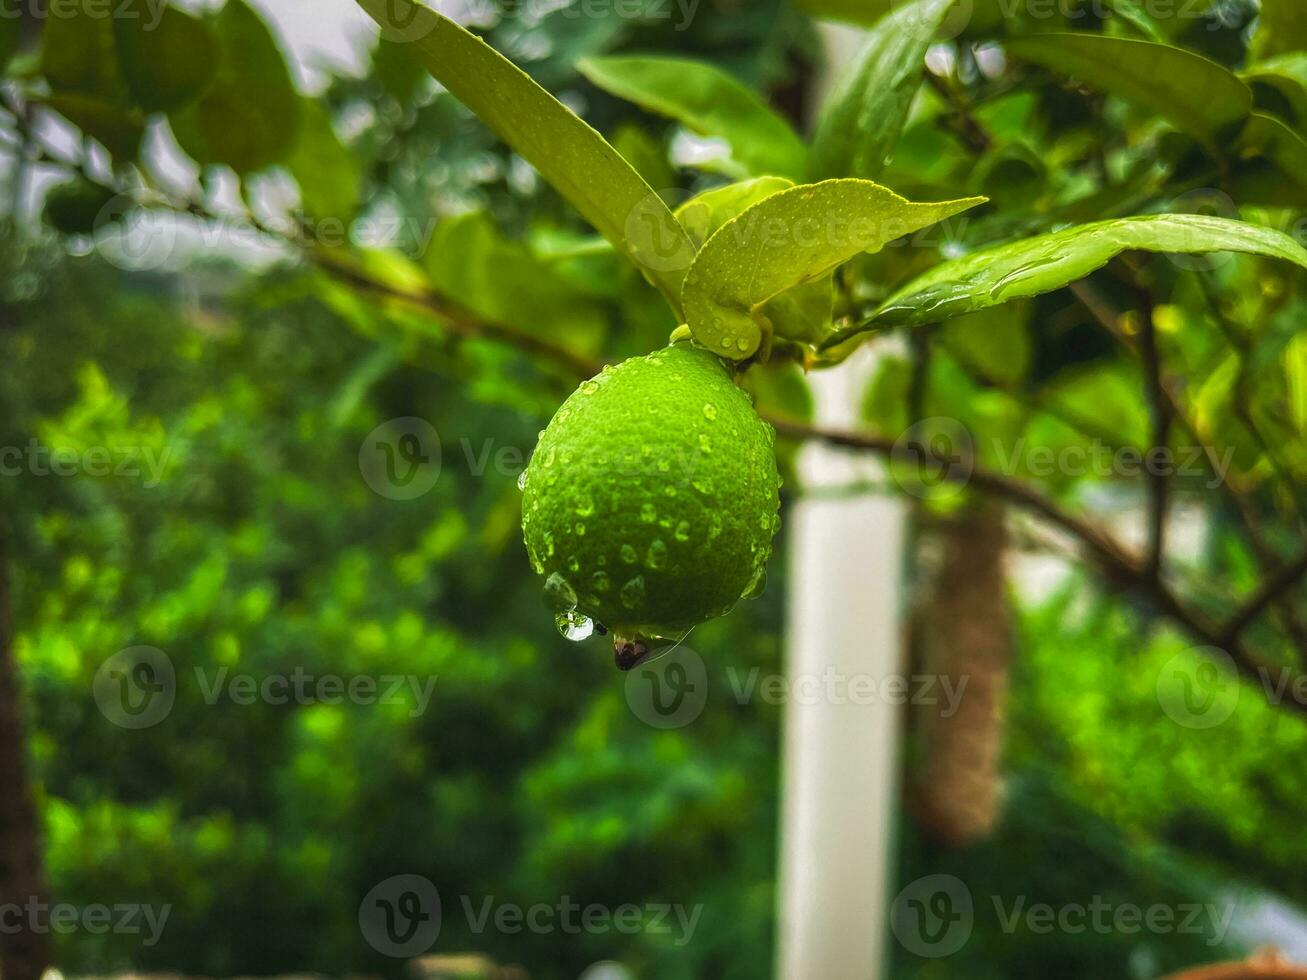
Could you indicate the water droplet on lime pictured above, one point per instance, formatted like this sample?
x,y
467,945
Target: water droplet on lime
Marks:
x,y
632,593
599,582
628,554
647,513
656,556
683,531
709,411
575,626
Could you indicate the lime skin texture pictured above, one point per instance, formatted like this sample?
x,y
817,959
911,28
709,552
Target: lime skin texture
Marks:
x,y
651,500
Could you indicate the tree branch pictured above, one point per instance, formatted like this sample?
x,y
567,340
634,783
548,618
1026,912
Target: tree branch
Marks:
x,y
1270,590
1120,568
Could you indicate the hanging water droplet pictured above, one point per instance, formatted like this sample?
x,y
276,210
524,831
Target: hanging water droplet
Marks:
x,y
757,584
656,556
559,592
575,626
632,593
683,531
709,411
628,554
521,480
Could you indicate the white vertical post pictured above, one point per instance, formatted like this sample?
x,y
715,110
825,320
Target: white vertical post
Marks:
x,y
839,776
840,759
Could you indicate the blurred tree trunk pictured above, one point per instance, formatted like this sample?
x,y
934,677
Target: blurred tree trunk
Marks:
x,y
965,635
24,954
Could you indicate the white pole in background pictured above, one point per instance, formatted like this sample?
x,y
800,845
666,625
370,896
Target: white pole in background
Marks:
x,y
840,761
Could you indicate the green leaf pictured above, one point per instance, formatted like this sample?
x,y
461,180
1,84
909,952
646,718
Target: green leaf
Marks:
x,y
1047,262
704,213
1199,96
468,258
995,341
9,25
327,173
792,237
166,64
1281,27
864,116
1133,13
802,312
1286,78
118,127
708,101
1295,372
77,53
1286,151
569,154
249,117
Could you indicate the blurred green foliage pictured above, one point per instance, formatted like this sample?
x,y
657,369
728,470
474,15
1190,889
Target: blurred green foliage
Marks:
x,y
249,542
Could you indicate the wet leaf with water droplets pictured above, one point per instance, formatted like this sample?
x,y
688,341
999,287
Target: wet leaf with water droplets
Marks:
x,y
791,237
1047,262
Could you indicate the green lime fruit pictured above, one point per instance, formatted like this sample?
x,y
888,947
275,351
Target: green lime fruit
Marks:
x,y
651,500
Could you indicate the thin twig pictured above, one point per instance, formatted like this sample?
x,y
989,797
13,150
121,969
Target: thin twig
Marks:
x,y
1271,589
1158,482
